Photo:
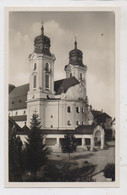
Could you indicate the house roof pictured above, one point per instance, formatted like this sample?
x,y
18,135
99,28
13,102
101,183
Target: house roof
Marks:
x,y
82,129
11,87
18,96
19,118
13,123
96,112
100,116
64,84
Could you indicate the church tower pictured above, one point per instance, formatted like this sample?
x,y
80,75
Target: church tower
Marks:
x,y
76,67
41,85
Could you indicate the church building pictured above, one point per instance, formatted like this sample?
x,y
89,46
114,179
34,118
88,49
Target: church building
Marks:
x,y
61,105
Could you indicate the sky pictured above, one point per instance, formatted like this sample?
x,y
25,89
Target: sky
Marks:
x,y
95,33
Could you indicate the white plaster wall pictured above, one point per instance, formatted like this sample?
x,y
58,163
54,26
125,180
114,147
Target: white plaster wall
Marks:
x,y
51,115
76,92
76,70
54,115
41,60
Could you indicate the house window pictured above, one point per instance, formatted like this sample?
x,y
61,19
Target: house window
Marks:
x,y
68,123
70,75
35,66
77,109
16,113
51,126
82,110
82,123
81,76
51,116
69,109
24,112
47,81
34,81
12,102
20,101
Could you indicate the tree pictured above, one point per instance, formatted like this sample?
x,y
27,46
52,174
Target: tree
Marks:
x,y
35,151
68,144
15,156
109,171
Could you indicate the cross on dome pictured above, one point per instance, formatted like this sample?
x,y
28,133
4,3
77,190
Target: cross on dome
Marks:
x,y
75,42
42,27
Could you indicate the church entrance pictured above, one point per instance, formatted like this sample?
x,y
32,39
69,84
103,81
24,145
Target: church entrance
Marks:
x,y
97,138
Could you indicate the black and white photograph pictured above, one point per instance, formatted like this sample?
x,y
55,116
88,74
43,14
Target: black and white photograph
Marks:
x,y
62,97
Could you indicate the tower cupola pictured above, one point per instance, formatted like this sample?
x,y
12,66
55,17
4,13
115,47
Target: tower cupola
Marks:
x,y
42,43
76,56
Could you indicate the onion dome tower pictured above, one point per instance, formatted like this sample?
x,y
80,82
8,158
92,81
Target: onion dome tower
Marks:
x,y
41,85
42,44
75,56
76,67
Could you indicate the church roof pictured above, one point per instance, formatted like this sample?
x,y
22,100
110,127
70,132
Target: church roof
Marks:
x,y
18,97
64,84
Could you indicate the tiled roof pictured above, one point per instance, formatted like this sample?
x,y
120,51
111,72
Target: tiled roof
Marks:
x,y
96,112
11,87
64,84
82,129
13,123
19,118
85,129
18,97
99,116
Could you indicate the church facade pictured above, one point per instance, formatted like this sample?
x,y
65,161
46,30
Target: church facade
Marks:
x,y
62,105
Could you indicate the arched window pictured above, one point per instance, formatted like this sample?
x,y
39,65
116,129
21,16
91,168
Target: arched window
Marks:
x,y
47,67
77,122
77,109
69,109
34,81
35,66
82,110
47,81
81,76
70,74
68,123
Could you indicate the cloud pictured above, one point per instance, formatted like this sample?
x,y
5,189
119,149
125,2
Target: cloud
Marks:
x,y
97,55
100,95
